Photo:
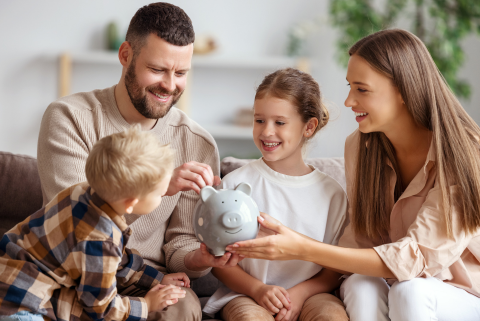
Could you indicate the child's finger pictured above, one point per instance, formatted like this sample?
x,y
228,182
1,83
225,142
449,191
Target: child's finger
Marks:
x,y
281,315
157,287
276,301
271,307
286,296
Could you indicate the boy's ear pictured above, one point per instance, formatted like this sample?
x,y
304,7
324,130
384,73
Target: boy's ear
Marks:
x,y
206,192
130,204
244,187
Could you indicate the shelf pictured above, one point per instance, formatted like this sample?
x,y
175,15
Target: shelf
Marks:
x,y
219,61
229,131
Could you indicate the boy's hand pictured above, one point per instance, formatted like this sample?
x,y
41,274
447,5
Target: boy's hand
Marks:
x,y
191,176
273,298
297,301
178,279
161,296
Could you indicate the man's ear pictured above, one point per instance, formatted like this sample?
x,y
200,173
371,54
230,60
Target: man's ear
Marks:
x,y
130,204
125,54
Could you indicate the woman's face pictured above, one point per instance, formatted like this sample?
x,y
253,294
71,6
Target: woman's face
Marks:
x,y
376,102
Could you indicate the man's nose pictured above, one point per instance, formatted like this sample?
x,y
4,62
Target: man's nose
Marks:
x,y
168,82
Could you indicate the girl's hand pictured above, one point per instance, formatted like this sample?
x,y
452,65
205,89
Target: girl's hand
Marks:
x,y
178,279
297,301
284,245
161,296
273,298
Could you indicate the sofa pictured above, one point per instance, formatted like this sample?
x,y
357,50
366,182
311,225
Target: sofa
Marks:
x,y
21,195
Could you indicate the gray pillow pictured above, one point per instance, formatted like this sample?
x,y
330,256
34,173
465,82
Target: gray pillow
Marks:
x,y
20,189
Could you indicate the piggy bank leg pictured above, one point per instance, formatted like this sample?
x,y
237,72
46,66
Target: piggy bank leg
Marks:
x,y
216,251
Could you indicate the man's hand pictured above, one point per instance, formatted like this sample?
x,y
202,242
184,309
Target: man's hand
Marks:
x,y
191,176
161,296
178,279
273,298
201,259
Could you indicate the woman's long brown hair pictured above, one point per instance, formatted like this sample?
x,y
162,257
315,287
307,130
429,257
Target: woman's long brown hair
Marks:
x,y
403,58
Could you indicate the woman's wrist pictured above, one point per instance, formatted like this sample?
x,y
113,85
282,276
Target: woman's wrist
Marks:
x,y
309,250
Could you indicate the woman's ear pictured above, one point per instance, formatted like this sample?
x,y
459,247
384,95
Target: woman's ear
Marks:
x,y
310,127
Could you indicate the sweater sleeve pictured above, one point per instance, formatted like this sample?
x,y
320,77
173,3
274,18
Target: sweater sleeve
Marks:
x,y
62,151
180,237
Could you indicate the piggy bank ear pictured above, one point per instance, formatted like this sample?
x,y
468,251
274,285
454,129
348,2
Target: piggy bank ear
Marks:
x,y
206,192
244,187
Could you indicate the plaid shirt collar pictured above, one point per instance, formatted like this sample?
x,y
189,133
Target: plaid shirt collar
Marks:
x,y
102,206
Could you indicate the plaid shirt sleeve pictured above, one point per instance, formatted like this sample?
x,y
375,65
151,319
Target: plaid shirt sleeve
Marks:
x,y
133,271
97,291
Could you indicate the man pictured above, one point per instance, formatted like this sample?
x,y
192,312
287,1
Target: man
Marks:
x,y
156,58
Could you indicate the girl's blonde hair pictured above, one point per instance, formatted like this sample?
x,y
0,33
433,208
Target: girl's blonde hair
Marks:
x,y
128,164
300,89
402,57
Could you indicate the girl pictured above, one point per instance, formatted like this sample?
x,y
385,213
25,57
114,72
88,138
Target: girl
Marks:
x,y
288,112
413,178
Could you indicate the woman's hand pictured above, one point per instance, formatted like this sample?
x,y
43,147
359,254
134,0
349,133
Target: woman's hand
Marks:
x,y
285,244
272,298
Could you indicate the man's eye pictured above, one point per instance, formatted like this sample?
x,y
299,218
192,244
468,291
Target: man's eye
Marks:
x,y
181,73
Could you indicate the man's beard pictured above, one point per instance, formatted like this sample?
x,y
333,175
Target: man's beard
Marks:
x,y
139,100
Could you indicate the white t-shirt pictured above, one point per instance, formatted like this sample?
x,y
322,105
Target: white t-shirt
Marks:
x,y
314,205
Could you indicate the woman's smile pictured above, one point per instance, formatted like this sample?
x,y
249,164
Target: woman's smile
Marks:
x,y
360,115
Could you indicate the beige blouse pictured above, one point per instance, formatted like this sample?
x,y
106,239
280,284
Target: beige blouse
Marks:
x,y
419,244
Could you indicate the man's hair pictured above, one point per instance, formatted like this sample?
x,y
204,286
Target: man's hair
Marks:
x,y
165,20
128,164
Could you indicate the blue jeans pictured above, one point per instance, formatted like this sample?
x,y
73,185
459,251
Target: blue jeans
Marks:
x,y
23,316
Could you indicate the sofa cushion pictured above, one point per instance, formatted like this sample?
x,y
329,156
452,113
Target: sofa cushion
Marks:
x,y
20,189
334,166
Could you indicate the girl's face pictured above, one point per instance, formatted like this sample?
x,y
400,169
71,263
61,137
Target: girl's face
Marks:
x,y
376,102
278,130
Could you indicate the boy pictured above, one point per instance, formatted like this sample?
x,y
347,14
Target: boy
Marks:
x,y
67,260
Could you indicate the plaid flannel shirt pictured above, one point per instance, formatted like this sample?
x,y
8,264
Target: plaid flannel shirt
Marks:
x,y
67,260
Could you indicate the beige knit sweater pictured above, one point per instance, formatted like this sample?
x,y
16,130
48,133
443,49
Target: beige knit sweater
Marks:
x,y
71,126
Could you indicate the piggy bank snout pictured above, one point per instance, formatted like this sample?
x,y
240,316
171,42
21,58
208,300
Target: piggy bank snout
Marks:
x,y
232,220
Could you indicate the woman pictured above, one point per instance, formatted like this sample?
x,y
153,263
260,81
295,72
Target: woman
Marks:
x,y
413,181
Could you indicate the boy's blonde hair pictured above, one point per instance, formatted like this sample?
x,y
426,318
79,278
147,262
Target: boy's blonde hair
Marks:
x,y
128,164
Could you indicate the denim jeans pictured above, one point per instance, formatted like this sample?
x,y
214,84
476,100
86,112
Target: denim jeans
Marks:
x,y
23,316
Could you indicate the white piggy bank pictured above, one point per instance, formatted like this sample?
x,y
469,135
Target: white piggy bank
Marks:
x,y
224,217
